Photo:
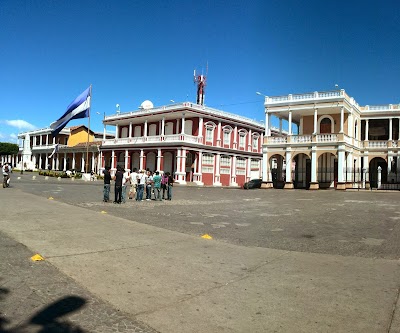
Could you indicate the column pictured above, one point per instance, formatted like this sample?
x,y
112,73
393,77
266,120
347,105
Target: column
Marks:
x,y
83,163
290,122
65,162
265,167
159,159
73,160
99,162
113,160
217,177
341,119
233,171
104,132
183,124
200,127
235,132
249,141
163,126
41,140
130,130
33,160
314,182
288,180
349,168
47,142
219,134
341,162
280,125
145,129
47,161
141,162
183,165
390,161
366,129
200,166
399,131
267,118
390,129
40,161
315,121
54,141
92,167
53,163
126,159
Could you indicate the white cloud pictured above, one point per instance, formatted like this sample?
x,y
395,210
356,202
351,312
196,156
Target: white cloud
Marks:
x,y
20,124
13,136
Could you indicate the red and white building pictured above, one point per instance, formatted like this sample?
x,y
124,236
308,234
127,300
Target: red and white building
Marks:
x,y
193,142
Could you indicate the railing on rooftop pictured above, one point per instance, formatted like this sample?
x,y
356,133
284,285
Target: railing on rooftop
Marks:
x,y
194,106
323,95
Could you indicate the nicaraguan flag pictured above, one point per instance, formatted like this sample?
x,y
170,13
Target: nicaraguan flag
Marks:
x,y
55,150
79,108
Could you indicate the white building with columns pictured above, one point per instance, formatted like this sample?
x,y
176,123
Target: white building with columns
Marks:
x,y
194,143
76,150
339,143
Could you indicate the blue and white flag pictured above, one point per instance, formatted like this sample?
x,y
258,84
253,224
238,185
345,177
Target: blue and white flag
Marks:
x,y
79,108
55,150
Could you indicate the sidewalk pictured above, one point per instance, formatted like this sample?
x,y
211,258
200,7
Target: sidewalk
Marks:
x,y
179,283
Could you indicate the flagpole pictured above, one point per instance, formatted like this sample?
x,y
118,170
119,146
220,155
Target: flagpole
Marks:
x,y
87,143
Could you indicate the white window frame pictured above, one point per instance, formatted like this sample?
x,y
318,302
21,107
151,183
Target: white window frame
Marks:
x,y
242,139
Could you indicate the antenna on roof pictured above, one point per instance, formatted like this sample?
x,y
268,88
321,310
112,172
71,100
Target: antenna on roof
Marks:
x,y
201,84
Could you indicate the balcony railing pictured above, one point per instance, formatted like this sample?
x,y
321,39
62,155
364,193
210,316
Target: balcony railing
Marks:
x,y
301,139
154,139
327,137
333,138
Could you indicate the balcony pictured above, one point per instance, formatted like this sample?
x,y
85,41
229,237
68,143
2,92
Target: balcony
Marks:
x,y
330,139
172,138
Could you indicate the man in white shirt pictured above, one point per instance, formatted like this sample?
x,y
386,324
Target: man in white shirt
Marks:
x,y
134,181
141,182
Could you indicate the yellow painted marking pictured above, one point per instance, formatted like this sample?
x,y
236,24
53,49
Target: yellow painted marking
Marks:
x,y
103,212
51,198
37,257
206,236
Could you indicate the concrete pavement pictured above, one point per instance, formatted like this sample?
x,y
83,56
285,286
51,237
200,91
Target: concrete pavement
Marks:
x,y
175,282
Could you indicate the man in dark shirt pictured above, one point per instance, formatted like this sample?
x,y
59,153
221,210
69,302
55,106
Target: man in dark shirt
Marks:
x,y
107,180
118,185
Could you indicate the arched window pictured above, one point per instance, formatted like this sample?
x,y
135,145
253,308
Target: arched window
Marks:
x,y
325,125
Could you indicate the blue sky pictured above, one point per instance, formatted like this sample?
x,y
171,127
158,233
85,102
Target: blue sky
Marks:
x,y
131,51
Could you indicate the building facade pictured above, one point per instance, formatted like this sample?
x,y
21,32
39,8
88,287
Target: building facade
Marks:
x,y
339,143
73,153
194,143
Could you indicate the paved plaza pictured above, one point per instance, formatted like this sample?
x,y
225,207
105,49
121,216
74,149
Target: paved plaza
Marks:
x,y
278,260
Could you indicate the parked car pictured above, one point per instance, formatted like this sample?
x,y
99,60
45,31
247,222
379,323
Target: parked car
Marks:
x,y
254,183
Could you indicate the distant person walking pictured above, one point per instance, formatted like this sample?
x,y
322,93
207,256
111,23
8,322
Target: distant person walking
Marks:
x,y
118,185
107,180
6,170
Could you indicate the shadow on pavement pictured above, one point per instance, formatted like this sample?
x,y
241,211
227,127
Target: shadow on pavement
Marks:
x,y
49,319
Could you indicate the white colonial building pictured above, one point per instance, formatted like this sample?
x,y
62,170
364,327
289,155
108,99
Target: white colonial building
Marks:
x,y
340,144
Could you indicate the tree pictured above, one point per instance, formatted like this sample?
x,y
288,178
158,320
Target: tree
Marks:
x,y
7,148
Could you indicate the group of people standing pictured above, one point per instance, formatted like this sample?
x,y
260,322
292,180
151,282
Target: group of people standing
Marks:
x,y
153,184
